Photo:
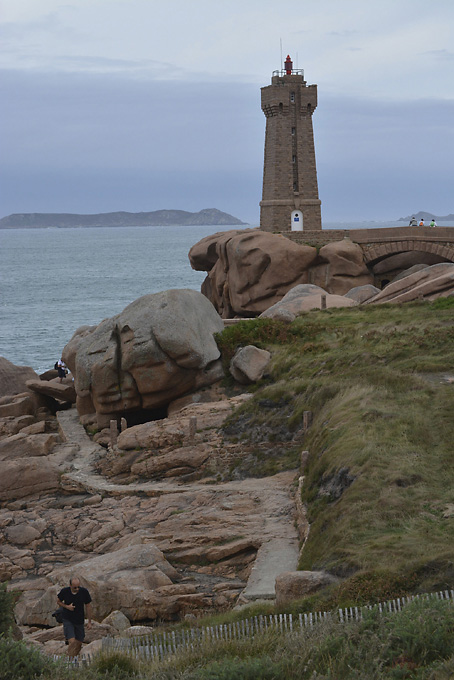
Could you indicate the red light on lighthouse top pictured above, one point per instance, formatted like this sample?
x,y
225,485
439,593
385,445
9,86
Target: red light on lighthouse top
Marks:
x,y
288,65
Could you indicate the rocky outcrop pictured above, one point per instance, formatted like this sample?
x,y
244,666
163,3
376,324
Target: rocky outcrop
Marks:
x,y
251,270
160,347
362,293
293,585
428,283
340,267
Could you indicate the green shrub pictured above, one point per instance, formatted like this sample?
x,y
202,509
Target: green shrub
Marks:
x,y
259,332
115,665
19,662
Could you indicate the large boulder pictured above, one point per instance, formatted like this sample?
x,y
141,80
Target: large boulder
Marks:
x,y
428,283
27,446
302,299
253,270
158,348
250,270
249,364
130,580
293,585
13,378
341,267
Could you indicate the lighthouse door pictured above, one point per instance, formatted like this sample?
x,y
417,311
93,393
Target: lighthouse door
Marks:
x,y
297,220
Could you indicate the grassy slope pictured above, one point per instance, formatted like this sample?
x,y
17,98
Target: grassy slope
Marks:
x,y
372,376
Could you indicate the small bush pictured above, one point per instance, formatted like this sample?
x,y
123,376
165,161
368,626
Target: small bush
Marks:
x,y
259,332
19,662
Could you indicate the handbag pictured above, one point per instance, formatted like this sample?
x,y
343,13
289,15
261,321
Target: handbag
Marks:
x,y
58,615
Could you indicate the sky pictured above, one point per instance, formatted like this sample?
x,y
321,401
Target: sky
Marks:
x,y
143,105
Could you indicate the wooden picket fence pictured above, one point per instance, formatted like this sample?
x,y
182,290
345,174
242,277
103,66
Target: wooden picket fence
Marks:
x,y
160,644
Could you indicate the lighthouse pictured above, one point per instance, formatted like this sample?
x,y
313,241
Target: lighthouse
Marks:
x,y
290,199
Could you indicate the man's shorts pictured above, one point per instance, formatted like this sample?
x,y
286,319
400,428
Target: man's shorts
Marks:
x,y
74,630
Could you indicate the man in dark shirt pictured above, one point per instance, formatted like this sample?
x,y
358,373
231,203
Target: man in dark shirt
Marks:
x,y
72,599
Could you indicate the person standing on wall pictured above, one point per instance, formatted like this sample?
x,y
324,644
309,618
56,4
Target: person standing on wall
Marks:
x,y
73,600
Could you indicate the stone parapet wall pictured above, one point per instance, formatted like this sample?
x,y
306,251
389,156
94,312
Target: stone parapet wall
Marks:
x,y
315,237
442,235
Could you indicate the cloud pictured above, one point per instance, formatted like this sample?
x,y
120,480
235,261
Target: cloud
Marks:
x,y
440,54
91,142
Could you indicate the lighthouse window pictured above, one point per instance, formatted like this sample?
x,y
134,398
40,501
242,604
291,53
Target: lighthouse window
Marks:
x,y
292,97
293,159
293,131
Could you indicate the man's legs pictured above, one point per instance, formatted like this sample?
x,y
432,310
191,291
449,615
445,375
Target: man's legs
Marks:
x,y
74,647
75,634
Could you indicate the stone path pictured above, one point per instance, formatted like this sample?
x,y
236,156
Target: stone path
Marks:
x,y
280,545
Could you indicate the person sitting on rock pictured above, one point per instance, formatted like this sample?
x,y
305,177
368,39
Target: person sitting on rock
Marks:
x,y
433,223
413,222
73,599
421,224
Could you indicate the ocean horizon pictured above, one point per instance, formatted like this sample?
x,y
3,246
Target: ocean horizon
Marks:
x,y
55,279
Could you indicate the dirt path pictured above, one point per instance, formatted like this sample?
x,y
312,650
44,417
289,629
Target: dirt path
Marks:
x,y
279,540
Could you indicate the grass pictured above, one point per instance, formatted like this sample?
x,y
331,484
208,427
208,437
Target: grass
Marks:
x,y
415,643
372,376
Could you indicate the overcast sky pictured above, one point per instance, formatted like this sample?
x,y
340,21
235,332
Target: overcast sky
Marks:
x,y
142,105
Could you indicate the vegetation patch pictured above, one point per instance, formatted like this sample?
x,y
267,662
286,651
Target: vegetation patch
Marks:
x,y
380,474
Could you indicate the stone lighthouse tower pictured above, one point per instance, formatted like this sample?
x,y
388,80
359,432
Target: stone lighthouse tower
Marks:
x,y
290,193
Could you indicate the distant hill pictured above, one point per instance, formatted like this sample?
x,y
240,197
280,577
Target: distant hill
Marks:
x,y
421,215
208,216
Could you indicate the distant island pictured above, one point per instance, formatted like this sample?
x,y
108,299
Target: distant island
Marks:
x,y
157,218
421,215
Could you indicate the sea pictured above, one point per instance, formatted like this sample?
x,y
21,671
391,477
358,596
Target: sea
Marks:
x,y
54,280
